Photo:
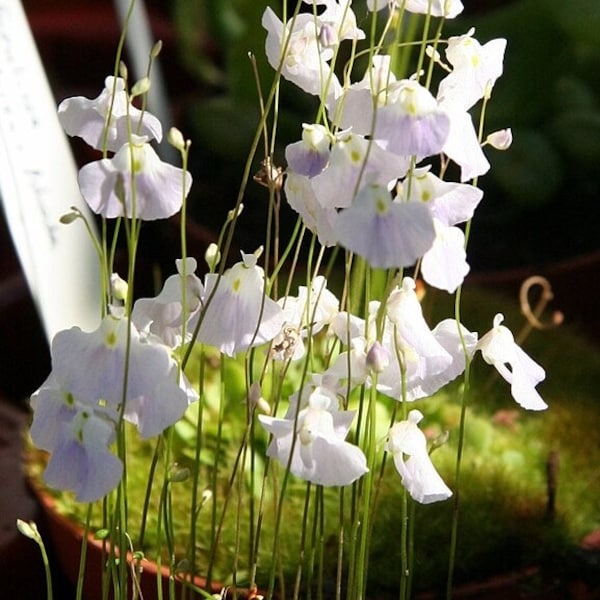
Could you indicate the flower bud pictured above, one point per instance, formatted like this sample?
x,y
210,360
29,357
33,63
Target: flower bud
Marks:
x,y
501,139
118,287
212,256
140,87
175,138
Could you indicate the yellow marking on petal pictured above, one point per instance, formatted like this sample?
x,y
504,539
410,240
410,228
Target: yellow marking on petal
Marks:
x,y
111,339
236,285
425,196
380,206
355,156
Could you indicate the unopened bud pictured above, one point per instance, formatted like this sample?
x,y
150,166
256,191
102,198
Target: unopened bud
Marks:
x,y
28,529
234,214
123,70
175,138
501,139
212,256
118,287
141,87
156,49
69,217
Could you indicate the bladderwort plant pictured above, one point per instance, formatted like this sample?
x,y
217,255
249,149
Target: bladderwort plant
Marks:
x,y
293,394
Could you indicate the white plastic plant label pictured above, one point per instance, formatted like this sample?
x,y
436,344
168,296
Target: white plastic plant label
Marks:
x,y
38,184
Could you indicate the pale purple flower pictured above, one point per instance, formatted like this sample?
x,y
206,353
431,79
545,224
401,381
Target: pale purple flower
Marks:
x,y
91,367
81,460
353,162
86,118
408,121
52,407
408,446
159,187
386,234
315,441
498,348
411,122
238,315
310,155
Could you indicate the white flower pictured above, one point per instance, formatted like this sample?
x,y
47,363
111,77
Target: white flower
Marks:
x,y
408,446
162,316
301,198
436,8
86,118
239,315
476,69
320,453
444,265
499,349
106,184
305,61
462,144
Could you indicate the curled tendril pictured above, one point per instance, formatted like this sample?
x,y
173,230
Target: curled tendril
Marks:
x,y
533,315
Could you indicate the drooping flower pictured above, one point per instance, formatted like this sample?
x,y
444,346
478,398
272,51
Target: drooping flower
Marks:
x,y
107,185
408,446
411,342
386,234
86,118
444,265
315,440
238,314
498,348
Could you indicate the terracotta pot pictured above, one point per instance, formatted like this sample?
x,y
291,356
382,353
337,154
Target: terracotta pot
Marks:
x,y
66,536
